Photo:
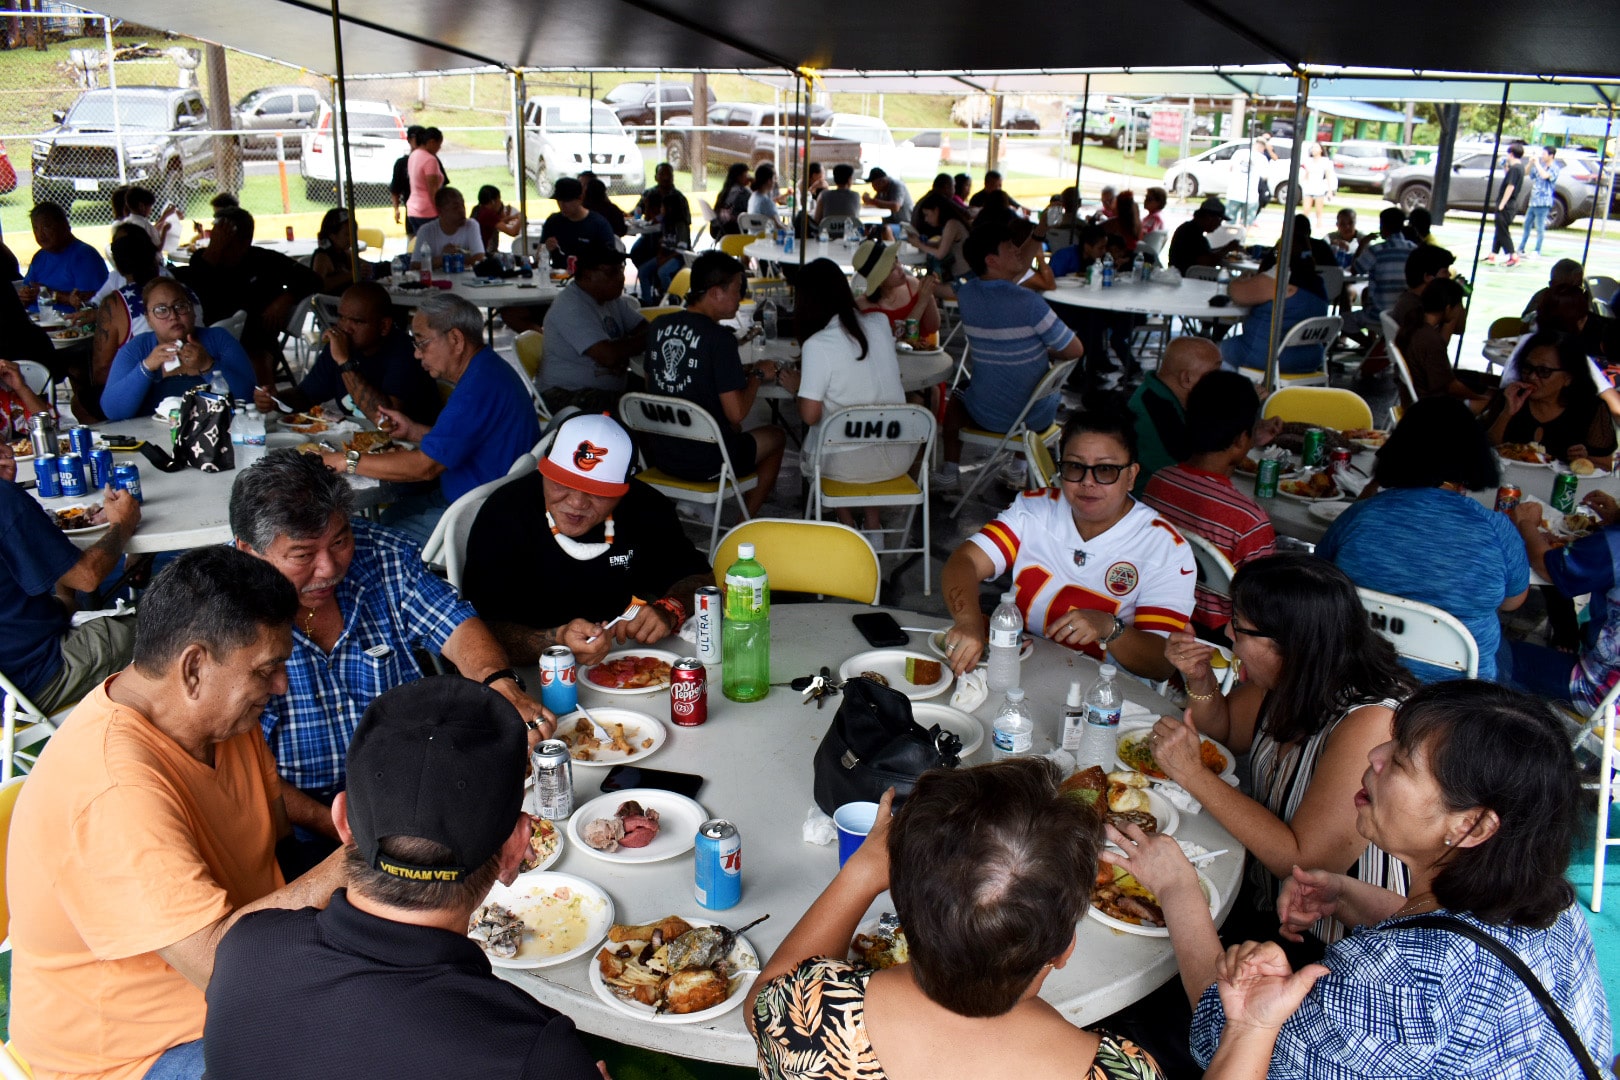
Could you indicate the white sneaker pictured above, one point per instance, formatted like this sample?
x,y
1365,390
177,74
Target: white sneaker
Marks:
x,y
875,538
948,477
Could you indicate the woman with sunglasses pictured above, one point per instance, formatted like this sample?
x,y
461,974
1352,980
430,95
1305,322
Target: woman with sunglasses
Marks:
x,y
1093,569
1319,691
1556,404
172,357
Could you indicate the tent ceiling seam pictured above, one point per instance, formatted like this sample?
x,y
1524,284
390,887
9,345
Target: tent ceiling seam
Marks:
x,y
405,35
710,32
1243,31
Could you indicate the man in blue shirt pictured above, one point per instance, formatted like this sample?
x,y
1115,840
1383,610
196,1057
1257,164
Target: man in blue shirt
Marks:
x,y
1385,262
367,603
1012,332
486,425
1543,189
66,265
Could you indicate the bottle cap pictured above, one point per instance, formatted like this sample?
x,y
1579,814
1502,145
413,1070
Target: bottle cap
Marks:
x,y
1009,597
745,551
1074,693
1015,694
1108,671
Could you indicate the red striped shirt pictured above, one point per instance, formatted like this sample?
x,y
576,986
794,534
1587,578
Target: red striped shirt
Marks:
x,y
1206,503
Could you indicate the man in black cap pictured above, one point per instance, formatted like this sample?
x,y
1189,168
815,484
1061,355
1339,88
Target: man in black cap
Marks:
x,y
592,331
385,981
1189,244
572,228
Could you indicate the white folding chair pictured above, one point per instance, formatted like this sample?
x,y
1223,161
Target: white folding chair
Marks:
x,y
26,725
36,376
1602,717
1422,632
1006,442
753,224
1215,570
446,550
1154,243
870,428
1405,391
1332,282
677,418
839,227
1319,333
234,325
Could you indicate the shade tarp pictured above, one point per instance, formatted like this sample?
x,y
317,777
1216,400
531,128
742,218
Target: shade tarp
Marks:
x,y
1357,110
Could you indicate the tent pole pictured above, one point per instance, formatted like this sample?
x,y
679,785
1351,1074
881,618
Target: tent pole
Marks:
x,y
801,179
346,191
520,104
1479,240
1080,158
1285,246
1600,204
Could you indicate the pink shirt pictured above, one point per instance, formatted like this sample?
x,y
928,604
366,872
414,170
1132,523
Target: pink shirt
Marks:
x,y
421,166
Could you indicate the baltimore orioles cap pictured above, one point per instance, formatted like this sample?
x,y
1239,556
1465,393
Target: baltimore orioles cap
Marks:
x,y
590,454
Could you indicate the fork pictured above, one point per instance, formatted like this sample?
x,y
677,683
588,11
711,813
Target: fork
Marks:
x,y
636,604
601,732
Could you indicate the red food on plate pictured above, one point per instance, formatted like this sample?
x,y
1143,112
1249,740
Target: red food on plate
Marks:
x,y
630,673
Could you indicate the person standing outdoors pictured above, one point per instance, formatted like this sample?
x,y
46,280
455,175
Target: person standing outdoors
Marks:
x,y
426,178
1507,205
1543,183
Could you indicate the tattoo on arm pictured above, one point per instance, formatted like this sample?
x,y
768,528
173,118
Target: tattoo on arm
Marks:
x,y
367,398
958,601
522,644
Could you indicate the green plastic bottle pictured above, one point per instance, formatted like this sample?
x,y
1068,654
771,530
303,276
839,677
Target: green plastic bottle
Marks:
x,y
745,635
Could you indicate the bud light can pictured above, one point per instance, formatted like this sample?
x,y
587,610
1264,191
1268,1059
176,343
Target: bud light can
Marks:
x,y
718,865
559,686
688,692
82,441
46,478
70,467
1507,498
101,467
553,797
1563,492
127,477
1314,450
708,604
1265,481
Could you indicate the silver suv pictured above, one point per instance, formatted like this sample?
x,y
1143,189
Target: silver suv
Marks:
x,y
1411,186
276,108
163,148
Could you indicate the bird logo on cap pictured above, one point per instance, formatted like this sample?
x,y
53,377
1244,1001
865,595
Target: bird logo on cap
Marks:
x,y
588,455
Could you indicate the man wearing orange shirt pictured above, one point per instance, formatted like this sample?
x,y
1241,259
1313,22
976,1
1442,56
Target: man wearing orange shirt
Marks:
x,y
149,827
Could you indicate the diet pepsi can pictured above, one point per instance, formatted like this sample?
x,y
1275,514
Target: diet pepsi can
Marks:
x,y
70,467
46,479
718,865
559,686
688,692
127,477
101,468
553,797
707,603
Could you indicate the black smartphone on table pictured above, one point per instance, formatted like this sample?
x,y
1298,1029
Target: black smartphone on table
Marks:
x,y
880,630
624,777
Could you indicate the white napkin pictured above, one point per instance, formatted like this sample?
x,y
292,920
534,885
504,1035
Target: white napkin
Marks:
x,y
1179,798
1133,712
1063,760
819,828
1350,481
82,617
970,691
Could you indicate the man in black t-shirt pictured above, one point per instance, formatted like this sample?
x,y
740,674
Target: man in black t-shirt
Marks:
x,y
386,981
554,555
1507,204
1189,244
567,231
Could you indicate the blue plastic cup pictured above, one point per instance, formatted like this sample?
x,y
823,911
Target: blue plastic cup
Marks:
x,y
853,821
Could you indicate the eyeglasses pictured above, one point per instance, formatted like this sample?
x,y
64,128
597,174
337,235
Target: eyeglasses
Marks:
x,y
420,343
1074,472
179,307
1236,629
1538,372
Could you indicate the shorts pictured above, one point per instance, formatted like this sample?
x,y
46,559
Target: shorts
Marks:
x,y
90,653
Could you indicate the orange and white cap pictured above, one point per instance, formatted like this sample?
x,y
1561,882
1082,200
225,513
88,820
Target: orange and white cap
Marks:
x,y
590,454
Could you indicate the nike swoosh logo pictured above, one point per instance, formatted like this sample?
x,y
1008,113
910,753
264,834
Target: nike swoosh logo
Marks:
x,y
1184,573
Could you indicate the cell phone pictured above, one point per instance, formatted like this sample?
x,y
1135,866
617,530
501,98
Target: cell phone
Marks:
x,y
625,777
880,630
120,442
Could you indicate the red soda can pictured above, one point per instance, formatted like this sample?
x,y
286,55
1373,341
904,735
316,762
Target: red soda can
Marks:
x,y
688,692
572,262
289,232
1340,455
1507,498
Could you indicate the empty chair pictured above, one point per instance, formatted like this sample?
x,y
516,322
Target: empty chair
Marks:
x,y
821,557
26,725
1326,406
1007,442
1043,470
677,418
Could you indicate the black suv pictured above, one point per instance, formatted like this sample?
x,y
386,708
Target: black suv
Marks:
x,y
637,104
163,147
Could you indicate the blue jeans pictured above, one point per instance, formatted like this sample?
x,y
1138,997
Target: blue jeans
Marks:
x,y
1539,670
183,1062
1535,217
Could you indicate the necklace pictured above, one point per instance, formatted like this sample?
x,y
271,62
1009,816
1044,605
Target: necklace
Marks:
x,y
309,624
576,550
1412,908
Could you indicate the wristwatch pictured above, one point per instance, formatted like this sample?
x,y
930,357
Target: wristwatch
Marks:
x,y
353,457
349,367
505,673
1114,634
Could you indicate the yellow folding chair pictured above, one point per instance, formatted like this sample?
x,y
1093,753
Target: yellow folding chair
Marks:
x,y
821,557
679,287
1326,406
677,418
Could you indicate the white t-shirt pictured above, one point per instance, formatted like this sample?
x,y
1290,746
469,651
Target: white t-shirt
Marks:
x,y
1141,570
469,238
834,375
1248,168
764,204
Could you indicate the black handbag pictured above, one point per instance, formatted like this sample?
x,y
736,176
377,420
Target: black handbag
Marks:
x,y
204,439
875,744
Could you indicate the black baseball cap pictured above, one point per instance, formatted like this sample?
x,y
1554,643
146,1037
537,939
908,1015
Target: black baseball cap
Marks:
x,y
440,759
590,256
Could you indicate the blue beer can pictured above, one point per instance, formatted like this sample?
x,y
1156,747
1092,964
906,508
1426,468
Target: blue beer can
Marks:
x,y
82,441
717,882
127,477
46,479
559,686
70,467
101,468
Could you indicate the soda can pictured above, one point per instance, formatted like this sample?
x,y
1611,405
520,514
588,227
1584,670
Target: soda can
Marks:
x,y
174,428
787,248
717,861
1340,455
1315,448
913,330
1265,481
70,467
709,607
1507,498
1563,492
559,686
289,232
47,481
553,780
82,441
688,692
572,262
101,468
127,477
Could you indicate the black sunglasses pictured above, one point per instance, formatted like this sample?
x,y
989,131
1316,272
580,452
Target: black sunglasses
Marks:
x,y
1074,472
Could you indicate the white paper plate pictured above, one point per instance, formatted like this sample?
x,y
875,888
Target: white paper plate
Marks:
x,y
678,821
1290,462
556,851
665,655
1157,931
1337,497
741,952
963,725
936,643
1327,511
87,530
528,897
1228,774
638,727
1597,474
1370,444
1525,464
891,664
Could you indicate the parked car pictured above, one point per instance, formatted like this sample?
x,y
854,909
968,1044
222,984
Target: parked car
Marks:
x,y
276,108
748,132
1108,119
8,175
78,159
1412,186
1362,163
376,141
639,104
878,146
1012,120
1209,172
564,136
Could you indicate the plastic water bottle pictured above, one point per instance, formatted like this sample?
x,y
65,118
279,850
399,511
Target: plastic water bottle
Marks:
x,y
1108,271
1223,282
247,434
1014,733
218,385
424,255
767,319
1103,702
745,636
1006,624
1072,721
1137,267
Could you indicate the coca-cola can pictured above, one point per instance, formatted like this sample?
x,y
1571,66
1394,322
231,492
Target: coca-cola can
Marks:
x,y
707,602
688,692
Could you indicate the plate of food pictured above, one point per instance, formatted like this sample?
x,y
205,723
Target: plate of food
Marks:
x,y
1370,438
958,723
634,735
23,449
636,825
936,644
1585,468
638,671
678,970
81,519
1532,454
541,919
1121,902
545,846
1317,487
1126,797
1327,511
880,943
1250,464
1134,751
912,673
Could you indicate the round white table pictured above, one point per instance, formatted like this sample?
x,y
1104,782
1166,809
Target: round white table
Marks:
x,y
841,252
1189,300
484,293
756,761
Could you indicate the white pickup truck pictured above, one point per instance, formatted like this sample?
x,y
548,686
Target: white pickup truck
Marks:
x,y
878,147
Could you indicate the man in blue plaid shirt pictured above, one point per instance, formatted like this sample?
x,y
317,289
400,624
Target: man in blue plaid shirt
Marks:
x,y
366,602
